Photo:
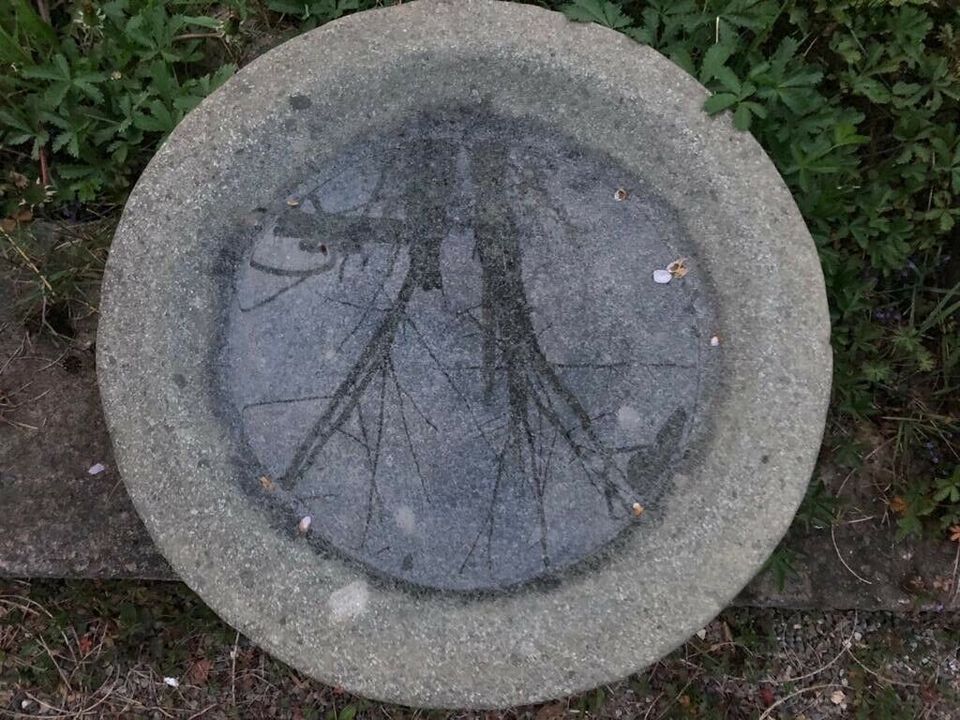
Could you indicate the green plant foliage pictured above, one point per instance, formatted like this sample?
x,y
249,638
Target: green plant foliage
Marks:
x,y
316,12
818,509
857,103
781,564
96,92
601,12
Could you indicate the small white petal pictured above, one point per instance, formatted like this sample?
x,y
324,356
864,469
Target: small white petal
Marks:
x,y
715,341
662,276
171,681
96,469
304,523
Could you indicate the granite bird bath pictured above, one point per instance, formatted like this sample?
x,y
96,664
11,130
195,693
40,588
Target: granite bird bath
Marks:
x,y
400,379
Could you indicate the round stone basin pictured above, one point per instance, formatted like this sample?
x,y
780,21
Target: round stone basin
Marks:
x,y
447,349
454,355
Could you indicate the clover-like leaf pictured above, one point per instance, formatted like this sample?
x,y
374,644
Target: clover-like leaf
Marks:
x,y
601,12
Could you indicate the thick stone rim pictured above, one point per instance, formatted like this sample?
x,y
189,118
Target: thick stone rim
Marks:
x,y
326,617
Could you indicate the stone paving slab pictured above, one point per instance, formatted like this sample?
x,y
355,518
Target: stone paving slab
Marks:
x,y
59,521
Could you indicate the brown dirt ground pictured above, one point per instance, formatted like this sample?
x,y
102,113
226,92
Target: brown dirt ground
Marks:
x,y
86,649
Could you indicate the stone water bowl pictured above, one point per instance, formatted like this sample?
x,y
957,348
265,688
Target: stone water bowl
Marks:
x,y
455,356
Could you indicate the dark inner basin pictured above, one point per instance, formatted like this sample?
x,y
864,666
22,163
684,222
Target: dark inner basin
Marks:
x,y
447,349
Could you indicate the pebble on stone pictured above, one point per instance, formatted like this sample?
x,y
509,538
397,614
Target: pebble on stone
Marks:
x,y
662,276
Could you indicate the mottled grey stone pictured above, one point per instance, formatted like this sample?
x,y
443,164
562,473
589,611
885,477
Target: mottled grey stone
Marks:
x,y
381,280
450,353
56,519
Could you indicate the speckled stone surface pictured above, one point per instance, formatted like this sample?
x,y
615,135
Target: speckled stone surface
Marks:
x,y
448,350
382,280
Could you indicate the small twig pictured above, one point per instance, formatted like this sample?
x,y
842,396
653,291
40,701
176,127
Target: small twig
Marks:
x,y
842,484
679,695
953,578
29,262
781,701
202,712
878,676
56,665
726,676
716,646
810,46
43,394
653,704
866,457
833,537
196,36
59,712
843,648
17,424
9,600
17,353
106,694
11,393
260,677
56,712
44,11
147,708
233,670
66,644
812,672
44,167
877,449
